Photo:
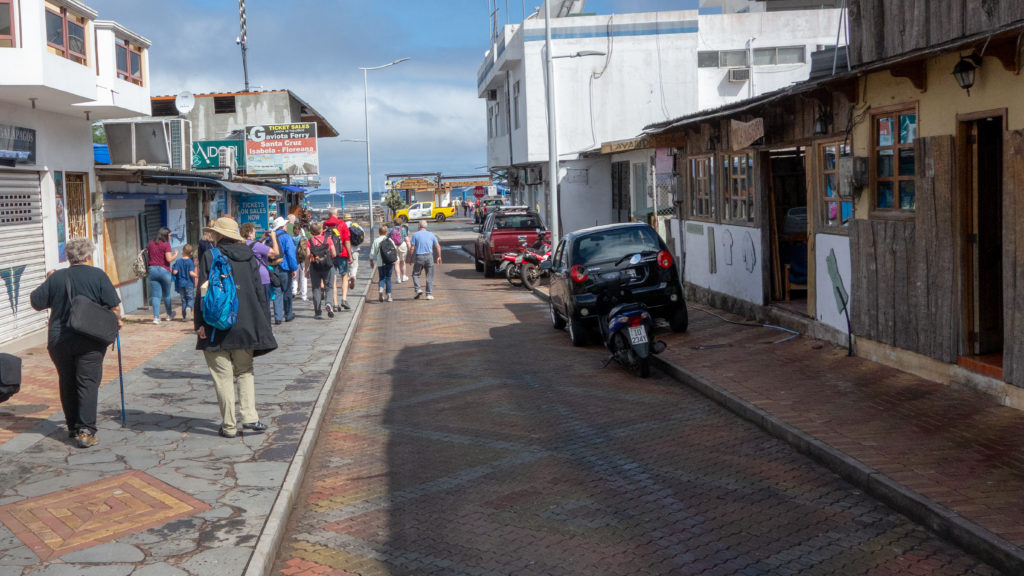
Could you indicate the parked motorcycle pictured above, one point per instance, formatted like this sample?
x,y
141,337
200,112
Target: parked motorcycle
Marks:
x,y
514,264
627,327
510,268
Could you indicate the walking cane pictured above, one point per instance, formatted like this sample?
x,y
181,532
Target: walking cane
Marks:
x,y
120,375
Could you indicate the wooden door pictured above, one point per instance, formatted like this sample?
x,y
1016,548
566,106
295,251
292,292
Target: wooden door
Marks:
x,y
983,236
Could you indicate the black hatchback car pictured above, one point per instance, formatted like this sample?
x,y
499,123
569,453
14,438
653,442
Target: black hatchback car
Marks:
x,y
584,255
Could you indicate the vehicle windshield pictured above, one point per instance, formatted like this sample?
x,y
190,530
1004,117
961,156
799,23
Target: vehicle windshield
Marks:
x,y
516,222
612,245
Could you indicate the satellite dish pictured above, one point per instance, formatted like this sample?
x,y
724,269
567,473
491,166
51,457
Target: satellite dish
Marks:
x,y
184,102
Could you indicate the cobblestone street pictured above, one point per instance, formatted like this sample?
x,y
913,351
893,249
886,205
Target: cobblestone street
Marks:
x,y
468,437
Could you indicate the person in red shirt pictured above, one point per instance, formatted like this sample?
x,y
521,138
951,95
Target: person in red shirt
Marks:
x,y
161,281
335,225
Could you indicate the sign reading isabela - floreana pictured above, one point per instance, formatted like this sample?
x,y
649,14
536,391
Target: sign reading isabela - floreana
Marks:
x,y
281,149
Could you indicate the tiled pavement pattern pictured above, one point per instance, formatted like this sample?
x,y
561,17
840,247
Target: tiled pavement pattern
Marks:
x,y
166,495
469,438
953,446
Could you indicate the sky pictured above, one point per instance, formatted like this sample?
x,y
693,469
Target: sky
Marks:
x,y
424,114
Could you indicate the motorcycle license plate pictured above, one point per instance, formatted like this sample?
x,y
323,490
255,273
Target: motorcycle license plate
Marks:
x,y
637,335
519,259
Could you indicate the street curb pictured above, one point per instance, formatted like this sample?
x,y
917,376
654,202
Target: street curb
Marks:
x,y
973,538
261,562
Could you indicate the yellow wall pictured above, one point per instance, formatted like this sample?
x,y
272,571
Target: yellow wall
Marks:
x,y
994,88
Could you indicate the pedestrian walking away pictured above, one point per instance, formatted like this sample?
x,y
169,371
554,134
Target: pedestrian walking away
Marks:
x,y
285,271
184,271
355,233
423,245
160,279
383,255
338,232
400,236
321,260
77,358
300,236
264,254
229,352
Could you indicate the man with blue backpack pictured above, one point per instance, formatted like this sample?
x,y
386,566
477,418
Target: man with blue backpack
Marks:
x,y
232,322
285,271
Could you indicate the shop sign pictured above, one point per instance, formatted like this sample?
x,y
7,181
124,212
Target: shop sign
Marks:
x,y
17,145
637,143
206,153
743,134
281,149
254,208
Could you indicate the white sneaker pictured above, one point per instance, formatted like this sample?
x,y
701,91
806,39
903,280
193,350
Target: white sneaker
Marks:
x,y
405,278
399,279
430,296
156,320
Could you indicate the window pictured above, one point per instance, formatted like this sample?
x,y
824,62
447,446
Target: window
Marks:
x,y
702,184
163,107
893,159
779,55
738,188
732,58
223,104
707,59
65,35
838,211
129,62
6,24
515,105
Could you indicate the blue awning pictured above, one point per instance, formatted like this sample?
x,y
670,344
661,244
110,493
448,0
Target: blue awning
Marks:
x,y
101,154
290,188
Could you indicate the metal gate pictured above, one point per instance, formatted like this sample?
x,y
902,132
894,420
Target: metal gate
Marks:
x,y
77,204
153,220
22,260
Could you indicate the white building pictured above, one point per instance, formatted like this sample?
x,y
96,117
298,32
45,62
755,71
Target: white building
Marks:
x,y
62,70
615,74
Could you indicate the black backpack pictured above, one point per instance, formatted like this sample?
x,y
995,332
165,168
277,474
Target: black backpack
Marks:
x,y
355,235
10,376
320,254
388,252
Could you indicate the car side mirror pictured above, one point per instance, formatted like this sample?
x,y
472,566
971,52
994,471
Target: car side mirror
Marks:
x,y
546,265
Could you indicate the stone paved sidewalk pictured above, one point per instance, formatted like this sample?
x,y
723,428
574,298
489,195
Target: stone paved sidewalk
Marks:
x,y
165,495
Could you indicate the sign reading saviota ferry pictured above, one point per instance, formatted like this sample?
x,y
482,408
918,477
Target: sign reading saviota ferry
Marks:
x,y
281,149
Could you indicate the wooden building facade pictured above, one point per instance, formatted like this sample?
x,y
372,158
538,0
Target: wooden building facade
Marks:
x,y
890,186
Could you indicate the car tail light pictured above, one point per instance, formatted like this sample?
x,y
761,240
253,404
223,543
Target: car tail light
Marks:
x,y
664,259
578,273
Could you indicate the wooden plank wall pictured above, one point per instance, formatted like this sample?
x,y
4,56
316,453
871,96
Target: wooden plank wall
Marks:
x,y
884,28
1013,259
903,288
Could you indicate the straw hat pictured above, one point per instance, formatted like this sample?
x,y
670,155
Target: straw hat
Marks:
x,y
226,227
278,223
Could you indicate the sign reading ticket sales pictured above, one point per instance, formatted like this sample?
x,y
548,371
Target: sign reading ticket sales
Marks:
x,y
281,149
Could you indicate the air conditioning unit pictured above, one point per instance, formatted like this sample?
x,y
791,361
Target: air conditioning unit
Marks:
x,y
226,159
532,176
179,139
739,74
492,95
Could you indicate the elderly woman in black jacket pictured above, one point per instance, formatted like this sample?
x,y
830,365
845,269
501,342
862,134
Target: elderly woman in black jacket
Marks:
x,y
77,358
230,353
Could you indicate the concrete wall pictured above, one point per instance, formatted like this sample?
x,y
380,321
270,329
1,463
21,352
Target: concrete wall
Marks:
x,y
733,268
263,108
827,310
585,193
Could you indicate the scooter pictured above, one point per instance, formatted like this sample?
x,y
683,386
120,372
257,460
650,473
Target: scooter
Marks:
x,y
627,327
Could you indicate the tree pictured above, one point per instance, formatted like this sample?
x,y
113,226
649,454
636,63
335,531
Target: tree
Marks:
x,y
394,202
99,135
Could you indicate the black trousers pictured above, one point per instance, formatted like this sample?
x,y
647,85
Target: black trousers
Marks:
x,y
317,278
79,363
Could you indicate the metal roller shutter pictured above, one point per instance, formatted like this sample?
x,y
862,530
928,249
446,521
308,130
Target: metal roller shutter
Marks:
x,y
22,260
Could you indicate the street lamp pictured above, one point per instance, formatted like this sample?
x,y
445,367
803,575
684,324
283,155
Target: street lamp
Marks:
x,y
366,119
556,224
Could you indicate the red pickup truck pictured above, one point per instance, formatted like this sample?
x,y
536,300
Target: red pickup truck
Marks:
x,y
505,230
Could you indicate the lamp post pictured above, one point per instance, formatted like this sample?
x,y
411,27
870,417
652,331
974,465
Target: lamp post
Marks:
x,y
556,224
366,119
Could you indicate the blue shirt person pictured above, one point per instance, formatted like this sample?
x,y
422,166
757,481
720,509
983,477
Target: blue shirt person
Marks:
x,y
423,244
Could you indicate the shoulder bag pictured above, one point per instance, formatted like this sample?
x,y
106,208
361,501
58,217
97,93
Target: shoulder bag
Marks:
x,y
88,318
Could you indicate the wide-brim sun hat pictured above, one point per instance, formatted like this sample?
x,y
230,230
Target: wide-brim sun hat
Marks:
x,y
278,223
226,227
